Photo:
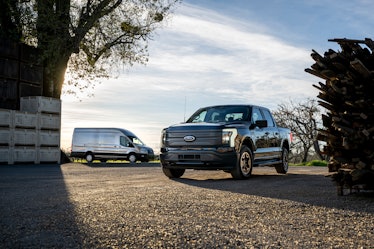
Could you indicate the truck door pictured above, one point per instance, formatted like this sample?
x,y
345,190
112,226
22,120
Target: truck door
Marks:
x,y
261,139
273,134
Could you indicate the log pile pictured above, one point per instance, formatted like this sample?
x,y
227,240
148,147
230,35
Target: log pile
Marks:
x,y
348,125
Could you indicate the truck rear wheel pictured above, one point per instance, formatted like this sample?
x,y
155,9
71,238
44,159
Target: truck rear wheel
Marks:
x,y
282,168
172,173
244,165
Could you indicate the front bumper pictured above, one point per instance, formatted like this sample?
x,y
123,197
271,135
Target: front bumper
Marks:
x,y
146,157
223,158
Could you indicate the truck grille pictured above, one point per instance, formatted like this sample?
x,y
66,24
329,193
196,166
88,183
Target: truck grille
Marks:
x,y
202,138
188,157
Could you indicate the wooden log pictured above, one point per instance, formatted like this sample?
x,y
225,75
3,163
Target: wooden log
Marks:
x,y
316,73
349,120
360,67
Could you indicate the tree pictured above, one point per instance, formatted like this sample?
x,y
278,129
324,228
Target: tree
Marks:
x,y
302,119
88,37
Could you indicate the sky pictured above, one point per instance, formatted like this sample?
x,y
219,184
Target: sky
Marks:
x,y
212,52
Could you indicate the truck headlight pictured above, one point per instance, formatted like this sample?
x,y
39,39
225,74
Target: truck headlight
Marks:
x,y
163,137
228,136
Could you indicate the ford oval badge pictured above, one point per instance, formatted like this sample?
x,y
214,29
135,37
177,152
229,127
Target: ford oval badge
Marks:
x,y
189,138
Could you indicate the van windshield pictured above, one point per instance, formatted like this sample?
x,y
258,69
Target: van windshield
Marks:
x,y
136,140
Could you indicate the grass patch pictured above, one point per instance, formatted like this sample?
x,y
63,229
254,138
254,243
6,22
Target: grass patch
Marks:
x,y
315,163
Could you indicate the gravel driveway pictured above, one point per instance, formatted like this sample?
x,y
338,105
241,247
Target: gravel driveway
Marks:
x,y
136,206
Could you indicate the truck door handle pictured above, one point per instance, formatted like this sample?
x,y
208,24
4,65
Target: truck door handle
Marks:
x,y
266,133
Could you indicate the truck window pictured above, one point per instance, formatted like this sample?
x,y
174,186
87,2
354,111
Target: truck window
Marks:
x,y
200,117
268,118
256,115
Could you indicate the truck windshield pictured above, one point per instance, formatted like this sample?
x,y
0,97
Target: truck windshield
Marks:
x,y
220,114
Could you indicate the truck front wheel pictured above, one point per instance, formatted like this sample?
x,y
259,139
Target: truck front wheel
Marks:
x,y
282,168
244,165
172,173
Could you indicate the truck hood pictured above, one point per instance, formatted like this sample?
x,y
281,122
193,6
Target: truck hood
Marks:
x,y
204,126
196,126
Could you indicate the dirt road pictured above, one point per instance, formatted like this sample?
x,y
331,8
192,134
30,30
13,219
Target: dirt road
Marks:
x,y
136,206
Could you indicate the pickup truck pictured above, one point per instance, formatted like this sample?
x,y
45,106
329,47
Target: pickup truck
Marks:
x,y
232,138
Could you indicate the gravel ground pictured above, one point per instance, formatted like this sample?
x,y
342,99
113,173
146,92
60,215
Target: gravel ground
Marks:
x,y
136,206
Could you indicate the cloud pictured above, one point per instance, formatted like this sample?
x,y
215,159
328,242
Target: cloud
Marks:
x,y
209,53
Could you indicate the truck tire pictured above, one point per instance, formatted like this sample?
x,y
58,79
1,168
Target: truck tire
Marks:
x,y
244,164
89,157
282,168
173,173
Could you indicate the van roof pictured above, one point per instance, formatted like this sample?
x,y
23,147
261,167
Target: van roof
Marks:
x,y
124,131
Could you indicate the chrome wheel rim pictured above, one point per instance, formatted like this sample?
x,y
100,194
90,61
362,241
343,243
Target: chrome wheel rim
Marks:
x,y
245,163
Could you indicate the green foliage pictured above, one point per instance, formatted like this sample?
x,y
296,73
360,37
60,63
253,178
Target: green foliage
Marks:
x,y
315,163
87,39
311,163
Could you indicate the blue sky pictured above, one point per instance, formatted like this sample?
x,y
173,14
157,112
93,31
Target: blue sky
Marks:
x,y
220,52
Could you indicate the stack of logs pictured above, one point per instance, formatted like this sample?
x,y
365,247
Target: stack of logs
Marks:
x,y
348,97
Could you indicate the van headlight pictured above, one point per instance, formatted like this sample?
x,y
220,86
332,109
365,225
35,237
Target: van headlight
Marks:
x,y
228,136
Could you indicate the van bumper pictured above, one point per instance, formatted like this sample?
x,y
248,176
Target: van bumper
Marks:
x,y
146,157
77,154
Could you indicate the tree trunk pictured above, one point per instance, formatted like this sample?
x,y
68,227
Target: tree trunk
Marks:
x,y
305,154
54,76
54,43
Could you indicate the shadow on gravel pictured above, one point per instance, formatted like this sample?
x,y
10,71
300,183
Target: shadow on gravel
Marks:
x,y
315,190
35,210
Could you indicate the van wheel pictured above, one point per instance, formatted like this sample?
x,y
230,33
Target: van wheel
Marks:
x,y
243,167
89,157
132,158
282,168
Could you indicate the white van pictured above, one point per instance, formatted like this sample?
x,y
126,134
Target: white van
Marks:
x,y
109,144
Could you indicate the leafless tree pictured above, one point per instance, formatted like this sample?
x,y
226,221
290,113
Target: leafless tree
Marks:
x,y
303,119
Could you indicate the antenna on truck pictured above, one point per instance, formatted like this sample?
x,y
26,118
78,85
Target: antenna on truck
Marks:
x,y
185,104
